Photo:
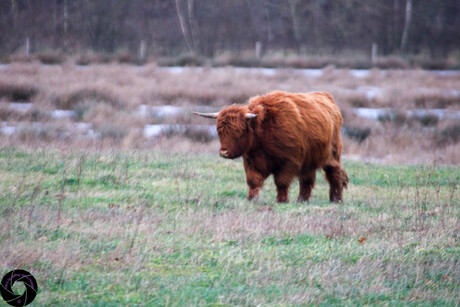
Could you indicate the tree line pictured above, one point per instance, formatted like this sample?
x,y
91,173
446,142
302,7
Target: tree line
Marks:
x,y
210,27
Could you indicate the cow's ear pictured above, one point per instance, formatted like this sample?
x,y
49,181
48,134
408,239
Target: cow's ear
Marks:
x,y
250,115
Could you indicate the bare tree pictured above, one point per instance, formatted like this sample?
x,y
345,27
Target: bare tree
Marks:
x,y
66,25
183,26
208,26
293,10
407,21
192,24
269,23
13,8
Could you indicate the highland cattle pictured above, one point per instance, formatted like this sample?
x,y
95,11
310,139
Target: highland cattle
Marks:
x,y
288,135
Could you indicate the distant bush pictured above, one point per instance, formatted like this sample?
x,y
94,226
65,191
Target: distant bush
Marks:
x,y
51,58
4,59
358,134
32,132
434,64
72,100
110,131
391,62
357,100
395,117
88,59
6,113
248,62
428,120
183,60
19,58
129,58
307,61
199,135
435,100
450,134
17,92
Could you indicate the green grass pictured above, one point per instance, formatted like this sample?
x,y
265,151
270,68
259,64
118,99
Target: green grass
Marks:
x,y
153,228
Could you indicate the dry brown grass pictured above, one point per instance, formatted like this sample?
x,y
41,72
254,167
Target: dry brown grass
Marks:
x,y
108,96
16,91
291,60
131,85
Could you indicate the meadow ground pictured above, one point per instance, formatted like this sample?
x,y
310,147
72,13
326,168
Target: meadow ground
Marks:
x,y
160,228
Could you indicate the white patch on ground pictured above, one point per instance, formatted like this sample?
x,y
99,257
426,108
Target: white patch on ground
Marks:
x,y
371,92
371,113
19,106
58,114
7,130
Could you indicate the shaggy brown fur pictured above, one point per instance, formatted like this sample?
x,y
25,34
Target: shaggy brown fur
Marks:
x,y
292,135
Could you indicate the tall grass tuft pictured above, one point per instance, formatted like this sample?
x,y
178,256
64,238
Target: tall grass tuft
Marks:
x,y
17,92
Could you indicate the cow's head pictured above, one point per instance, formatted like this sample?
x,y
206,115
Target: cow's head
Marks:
x,y
234,130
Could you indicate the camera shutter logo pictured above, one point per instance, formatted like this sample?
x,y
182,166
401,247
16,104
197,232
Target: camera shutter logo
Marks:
x,y
8,294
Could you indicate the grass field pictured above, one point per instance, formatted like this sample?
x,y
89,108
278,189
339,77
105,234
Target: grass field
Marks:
x,y
155,228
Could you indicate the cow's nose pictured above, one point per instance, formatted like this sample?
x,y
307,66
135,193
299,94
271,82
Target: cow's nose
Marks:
x,y
224,153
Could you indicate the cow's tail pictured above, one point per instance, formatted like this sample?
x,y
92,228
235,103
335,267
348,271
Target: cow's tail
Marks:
x,y
344,178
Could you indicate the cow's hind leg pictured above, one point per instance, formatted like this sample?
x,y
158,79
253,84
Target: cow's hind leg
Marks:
x,y
283,179
306,183
337,179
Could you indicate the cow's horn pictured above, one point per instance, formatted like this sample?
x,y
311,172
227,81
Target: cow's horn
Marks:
x,y
207,115
251,115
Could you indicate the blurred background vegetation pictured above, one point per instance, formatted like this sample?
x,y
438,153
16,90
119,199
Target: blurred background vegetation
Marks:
x,y
69,73
420,33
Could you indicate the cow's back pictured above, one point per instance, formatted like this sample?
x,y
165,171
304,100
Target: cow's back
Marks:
x,y
298,127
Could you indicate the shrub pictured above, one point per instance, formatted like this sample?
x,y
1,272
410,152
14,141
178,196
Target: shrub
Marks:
x,y
6,113
195,133
17,92
88,59
51,58
391,62
436,100
109,131
20,58
182,60
358,134
428,120
395,117
72,100
199,135
450,134
357,100
435,64
127,58
32,132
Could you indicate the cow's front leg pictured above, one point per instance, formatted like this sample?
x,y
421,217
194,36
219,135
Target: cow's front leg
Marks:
x,y
254,179
255,182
